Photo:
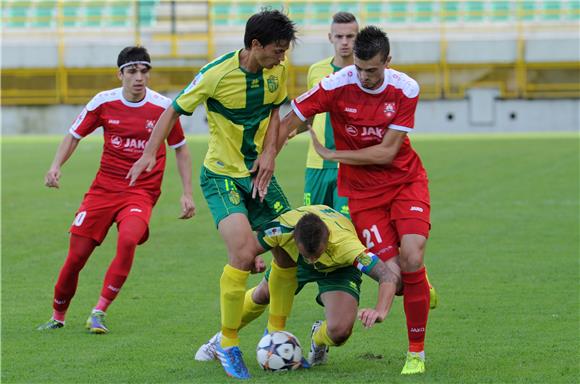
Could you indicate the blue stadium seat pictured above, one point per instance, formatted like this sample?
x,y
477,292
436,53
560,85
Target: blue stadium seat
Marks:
x,y
374,12
120,12
501,10
94,13
450,11
17,13
44,15
424,12
397,12
474,11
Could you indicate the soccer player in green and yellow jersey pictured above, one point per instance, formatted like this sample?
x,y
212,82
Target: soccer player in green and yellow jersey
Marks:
x,y
242,92
320,179
324,245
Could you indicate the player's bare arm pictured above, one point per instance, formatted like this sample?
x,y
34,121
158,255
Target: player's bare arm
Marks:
x,y
389,280
147,160
382,153
289,124
183,159
265,163
65,150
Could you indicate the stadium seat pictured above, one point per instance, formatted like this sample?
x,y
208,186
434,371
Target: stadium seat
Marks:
x,y
474,11
450,11
120,12
321,13
500,11
44,14
424,12
17,13
94,13
397,11
373,12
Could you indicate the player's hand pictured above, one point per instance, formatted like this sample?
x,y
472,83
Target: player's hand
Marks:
x,y
259,265
370,316
52,177
145,163
324,152
263,170
292,134
187,206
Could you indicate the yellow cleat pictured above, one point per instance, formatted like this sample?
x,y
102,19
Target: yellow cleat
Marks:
x,y
433,298
414,364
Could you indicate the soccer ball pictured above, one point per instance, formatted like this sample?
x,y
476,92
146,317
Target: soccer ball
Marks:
x,y
279,351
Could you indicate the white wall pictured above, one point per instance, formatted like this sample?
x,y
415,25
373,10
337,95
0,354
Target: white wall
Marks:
x,y
441,116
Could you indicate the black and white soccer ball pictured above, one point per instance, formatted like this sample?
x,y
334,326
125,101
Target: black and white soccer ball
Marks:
x,y
279,351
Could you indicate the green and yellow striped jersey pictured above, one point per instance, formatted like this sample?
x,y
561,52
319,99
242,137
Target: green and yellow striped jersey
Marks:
x,y
343,248
321,123
238,105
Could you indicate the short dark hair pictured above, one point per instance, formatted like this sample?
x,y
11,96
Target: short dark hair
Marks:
x,y
269,26
133,53
310,231
343,18
369,42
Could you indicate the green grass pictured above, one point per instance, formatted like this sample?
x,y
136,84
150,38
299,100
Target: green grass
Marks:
x,y
503,255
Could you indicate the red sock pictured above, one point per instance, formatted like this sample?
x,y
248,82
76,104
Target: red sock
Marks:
x,y
416,303
80,249
131,230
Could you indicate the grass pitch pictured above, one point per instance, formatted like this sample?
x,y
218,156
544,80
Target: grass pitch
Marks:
x,y
503,255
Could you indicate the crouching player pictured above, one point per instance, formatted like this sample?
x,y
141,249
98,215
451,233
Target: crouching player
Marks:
x,y
316,244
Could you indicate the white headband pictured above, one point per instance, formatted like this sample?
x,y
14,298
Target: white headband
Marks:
x,y
135,63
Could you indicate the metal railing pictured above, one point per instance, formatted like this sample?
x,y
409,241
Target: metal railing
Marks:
x,y
174,24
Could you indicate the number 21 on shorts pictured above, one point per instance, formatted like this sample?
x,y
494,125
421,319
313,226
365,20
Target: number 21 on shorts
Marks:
x,y
369,233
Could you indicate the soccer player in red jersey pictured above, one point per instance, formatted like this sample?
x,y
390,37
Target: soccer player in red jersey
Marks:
x,y
372,109
127,116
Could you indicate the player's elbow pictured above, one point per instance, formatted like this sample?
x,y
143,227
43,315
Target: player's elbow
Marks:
x,y
385,158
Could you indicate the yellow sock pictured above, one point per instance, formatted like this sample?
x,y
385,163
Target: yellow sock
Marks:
x,y
232,287
251,310
282,284
320,337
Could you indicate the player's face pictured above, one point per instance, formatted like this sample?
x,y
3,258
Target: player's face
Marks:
x,y
311,258
342,37
134,79
371,72
271,54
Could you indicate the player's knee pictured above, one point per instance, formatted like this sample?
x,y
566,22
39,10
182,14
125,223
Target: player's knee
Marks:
x,y
412,252
261,294
340,332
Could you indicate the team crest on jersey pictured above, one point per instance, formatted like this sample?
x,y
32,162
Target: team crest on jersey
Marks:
x,y
272,83
234,197
149,125
389,109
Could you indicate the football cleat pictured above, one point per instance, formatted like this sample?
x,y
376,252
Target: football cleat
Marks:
x,y
207,351
50,324
317,354
96,322
415,364
232,361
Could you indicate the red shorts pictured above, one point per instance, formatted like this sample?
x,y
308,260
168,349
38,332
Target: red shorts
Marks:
x,y
99,211
382,220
